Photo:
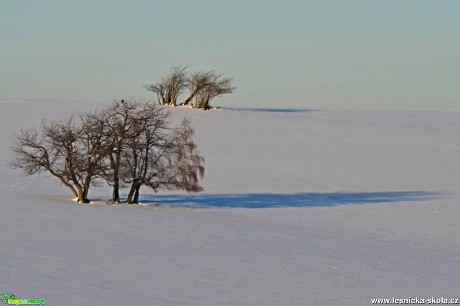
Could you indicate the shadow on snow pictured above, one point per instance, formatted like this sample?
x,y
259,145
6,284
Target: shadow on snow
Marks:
x,y
270,110
271,200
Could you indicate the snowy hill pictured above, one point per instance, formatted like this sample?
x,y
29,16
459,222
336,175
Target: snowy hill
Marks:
x,y
300,207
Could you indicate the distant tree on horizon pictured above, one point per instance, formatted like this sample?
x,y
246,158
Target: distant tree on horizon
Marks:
x,y
203,87
170,86
217,86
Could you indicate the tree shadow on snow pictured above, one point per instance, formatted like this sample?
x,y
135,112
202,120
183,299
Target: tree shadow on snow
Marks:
x,y
272,200
270,110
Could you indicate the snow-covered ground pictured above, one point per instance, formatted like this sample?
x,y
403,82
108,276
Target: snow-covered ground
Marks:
x,y
301,207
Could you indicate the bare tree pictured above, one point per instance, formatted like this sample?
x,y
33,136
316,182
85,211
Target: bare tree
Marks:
x,y
170,86
177,82
216,86
205,86
144,152
162,158
185,166
127,144
71,151
160,89
197,82
120,124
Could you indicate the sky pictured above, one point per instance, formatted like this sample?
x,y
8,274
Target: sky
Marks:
x,y
290,54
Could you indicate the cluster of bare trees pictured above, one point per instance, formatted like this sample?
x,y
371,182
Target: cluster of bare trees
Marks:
x,y
129,144
203,86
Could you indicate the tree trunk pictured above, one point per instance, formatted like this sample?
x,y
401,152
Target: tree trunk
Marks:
x,y
189,99
162,99
116,194
116,188
82,195
86,189
115,164
85,195
168,99
129,200
136,195
133,195
66,183
75,193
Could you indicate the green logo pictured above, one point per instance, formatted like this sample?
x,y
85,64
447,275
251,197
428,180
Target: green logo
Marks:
x,y
7,296
11,299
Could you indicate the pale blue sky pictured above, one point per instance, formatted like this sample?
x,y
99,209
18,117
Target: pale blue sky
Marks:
x,y
309,54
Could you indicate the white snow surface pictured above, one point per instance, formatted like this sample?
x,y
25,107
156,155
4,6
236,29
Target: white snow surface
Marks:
x,y
300,207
